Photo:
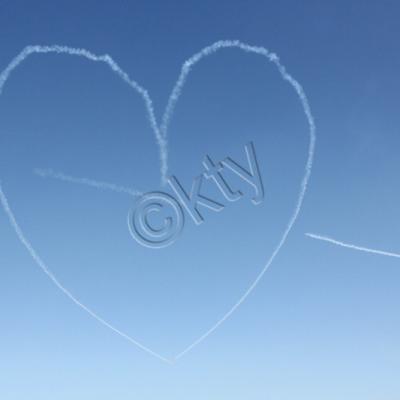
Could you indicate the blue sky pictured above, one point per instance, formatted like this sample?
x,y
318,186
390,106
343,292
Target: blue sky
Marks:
x,y
322,323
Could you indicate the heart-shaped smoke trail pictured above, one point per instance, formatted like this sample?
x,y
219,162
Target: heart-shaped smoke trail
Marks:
x,y
160,133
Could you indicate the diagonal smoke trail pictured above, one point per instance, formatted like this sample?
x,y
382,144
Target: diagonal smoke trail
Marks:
x,y
46,270
351,246
49,173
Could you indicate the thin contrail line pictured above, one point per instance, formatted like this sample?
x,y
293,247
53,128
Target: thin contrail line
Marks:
x,y
352,246
49,173
174,97
46,270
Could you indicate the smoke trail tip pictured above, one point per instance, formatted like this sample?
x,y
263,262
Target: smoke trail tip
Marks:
x,y
42,172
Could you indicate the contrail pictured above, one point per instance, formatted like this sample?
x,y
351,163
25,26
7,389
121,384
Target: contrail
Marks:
x,y
212,49
46,270
174,97
49,173
105,58
161,133
352,246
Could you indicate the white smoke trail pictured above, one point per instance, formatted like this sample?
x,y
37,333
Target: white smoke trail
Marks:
x,y
175,94
105,58
49,173
161,138
352,246
46,270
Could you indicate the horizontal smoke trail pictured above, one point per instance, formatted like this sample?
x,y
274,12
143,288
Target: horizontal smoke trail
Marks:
x,y
49,173
46,270
352,246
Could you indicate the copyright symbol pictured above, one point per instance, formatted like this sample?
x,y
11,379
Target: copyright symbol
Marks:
x,y
157,220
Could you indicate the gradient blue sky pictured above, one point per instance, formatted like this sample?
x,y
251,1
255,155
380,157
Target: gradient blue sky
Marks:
x,y
324,321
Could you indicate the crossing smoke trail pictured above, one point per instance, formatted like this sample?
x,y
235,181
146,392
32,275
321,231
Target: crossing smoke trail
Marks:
x,y
161,139
43,267
49,173
352,246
